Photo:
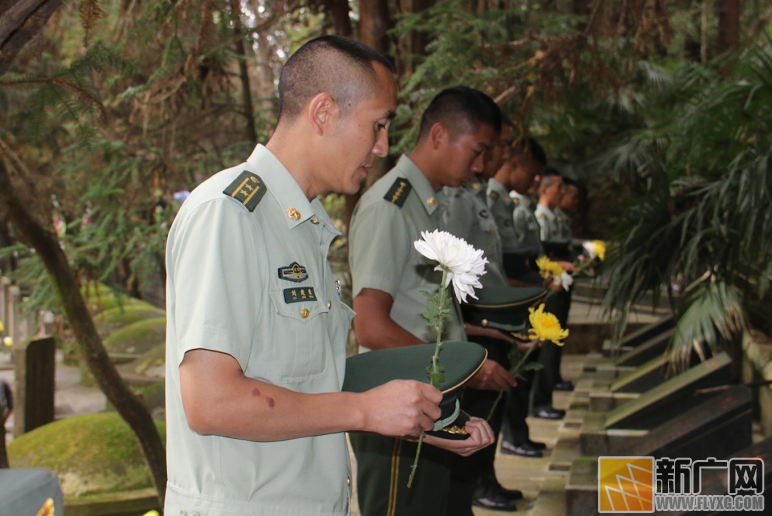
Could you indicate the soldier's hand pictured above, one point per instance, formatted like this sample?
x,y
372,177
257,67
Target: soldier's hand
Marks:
x,y
402,408
480,436
492,377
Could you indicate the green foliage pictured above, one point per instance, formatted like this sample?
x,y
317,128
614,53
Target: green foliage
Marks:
x,y
704,227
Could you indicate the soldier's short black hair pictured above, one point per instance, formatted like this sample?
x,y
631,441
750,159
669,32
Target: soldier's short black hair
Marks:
x,y
461,110
331,64
570,182
529,146
549,176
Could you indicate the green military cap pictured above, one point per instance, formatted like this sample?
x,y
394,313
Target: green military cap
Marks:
x,y
460,359
520,264
559,250
506,307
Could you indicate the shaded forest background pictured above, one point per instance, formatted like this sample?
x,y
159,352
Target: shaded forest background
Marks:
x,y
661,109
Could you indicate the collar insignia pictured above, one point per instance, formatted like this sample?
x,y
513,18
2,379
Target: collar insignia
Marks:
x,y
248,189
494,195
293,272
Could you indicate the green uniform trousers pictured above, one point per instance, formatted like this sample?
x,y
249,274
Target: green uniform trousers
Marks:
x,y
383,469
549,355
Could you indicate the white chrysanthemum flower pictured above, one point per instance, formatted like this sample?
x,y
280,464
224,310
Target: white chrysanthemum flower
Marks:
x,y
464,263
565,280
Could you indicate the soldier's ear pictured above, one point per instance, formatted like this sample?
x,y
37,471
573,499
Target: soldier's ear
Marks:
x,y
320,112
438,135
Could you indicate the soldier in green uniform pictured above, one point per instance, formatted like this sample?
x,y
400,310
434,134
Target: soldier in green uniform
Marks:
x,y
469,217
550,196
567,204
519,230
256,332
389,276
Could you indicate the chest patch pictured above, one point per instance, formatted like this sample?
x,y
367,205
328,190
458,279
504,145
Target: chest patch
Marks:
x,y
293,272
299,294
399,191
248,189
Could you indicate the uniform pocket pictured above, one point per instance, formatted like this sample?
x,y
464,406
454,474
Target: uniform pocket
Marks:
x,y
301,341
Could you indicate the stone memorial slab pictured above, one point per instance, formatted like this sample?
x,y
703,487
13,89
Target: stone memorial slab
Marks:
x,y
603,431
718,426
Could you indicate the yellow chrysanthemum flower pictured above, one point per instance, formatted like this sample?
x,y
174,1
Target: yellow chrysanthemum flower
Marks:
x,y
547,267
545,326
8,341
47,509
2,328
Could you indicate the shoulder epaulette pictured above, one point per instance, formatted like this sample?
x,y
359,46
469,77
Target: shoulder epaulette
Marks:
x,y
248,189
494,195
398,191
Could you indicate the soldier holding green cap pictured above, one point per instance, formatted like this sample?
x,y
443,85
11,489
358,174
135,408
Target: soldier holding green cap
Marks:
x,y
389,276
256,331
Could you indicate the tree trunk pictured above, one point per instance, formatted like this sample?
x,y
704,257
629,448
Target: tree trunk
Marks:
x,y
46,245
246,91
339,10
20,21
374,23
728,25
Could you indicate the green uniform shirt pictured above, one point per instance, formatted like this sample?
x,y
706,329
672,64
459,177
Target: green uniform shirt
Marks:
x,y
381,251
257,286
501,207
548,223
527,231
468,217
564,224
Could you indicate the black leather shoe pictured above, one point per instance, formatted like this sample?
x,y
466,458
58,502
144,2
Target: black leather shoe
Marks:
x,y
564,386
537,446
510,494
523,450
495,502
550,413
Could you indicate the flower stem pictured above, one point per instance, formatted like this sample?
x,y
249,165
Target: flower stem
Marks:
x,y
441,306
435,358
513,371
415,462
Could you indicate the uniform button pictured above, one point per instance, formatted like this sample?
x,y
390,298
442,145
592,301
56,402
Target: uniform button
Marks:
x,y
431,201
293,214
304,313
348,480
329,305
183,513
314,221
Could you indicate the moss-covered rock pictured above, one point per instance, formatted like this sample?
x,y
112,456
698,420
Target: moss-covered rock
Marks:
x,y
112,320
91,454
151,363
137,338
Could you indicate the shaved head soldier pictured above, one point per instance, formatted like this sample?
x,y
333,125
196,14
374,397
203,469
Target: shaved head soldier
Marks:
x,y
256,331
